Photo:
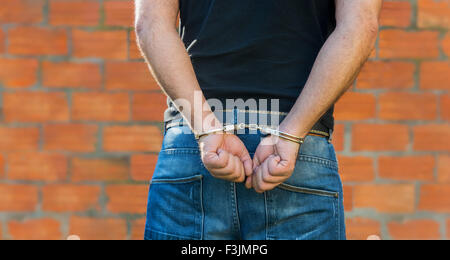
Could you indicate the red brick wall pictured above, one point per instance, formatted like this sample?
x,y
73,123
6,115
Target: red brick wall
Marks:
x,y
80,123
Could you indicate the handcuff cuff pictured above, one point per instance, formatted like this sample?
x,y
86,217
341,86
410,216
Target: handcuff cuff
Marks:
x,y
264,130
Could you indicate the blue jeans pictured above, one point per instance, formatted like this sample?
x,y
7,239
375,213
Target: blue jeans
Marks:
x,y
186,202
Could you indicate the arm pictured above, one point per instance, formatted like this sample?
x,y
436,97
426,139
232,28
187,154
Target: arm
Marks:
x,y
224,155
336,67
337,64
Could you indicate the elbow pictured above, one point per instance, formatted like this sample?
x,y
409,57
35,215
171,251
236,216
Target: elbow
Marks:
x,y
140,26
371,28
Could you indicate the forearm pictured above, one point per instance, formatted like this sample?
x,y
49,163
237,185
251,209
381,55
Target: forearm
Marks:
x,y
171,66
336,67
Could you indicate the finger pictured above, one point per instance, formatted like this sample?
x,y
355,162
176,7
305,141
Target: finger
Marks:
x,y
267,175
248,182
255,180
248,167
240,171
243,154
256,162
215,159
258,184
280,167
229,168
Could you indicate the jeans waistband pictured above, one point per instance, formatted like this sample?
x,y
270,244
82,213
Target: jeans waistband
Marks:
x,y
260,117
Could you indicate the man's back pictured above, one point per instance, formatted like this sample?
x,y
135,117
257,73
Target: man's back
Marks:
x,y
261,49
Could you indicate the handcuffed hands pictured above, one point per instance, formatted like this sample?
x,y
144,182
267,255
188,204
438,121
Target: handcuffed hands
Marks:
x,y
225,156
273,163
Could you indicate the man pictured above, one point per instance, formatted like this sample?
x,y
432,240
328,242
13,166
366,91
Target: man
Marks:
x,y
270,180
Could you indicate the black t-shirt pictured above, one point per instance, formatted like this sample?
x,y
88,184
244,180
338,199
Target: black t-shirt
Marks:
x,y
260,49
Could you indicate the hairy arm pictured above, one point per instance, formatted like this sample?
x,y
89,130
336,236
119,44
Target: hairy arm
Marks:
x,y
337,64
336,67
168,60
224,155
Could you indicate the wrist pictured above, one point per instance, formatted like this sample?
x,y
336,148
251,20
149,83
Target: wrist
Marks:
x,y
208,122
292,128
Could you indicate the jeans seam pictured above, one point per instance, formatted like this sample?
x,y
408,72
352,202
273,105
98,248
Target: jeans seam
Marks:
x,y
314,159
238,223
267,216
172,235
202,227
234,208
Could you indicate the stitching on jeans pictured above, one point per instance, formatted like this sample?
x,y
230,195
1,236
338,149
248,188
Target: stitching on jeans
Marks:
x,y
180,151
314,159
236,211
202,228
172,235
267,216
177,180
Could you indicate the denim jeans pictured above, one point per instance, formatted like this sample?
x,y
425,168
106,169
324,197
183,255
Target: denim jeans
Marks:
x,y
186,202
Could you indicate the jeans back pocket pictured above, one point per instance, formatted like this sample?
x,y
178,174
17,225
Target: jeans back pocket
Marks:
x,y
175,207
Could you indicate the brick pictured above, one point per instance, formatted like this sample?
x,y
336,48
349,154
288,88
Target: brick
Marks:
x,y
132,138
448,228
403,44
74,75
143,166
71,137
446,44
37,41
2,166
21,11
435,75
19,138
443,168
99,169
137,229
135,201
134,51
129,76
37,166
360,228
18,73
432,137
98,228
355,106
35,229
356,168
20,198
396,14
433,13
380,137
35,107
74,13
406,167
407,106
100,106
149,106
338,137
421,229
380,197
348,198
445,107
100,44
2,41
119,13
68,197
386,75
435,198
